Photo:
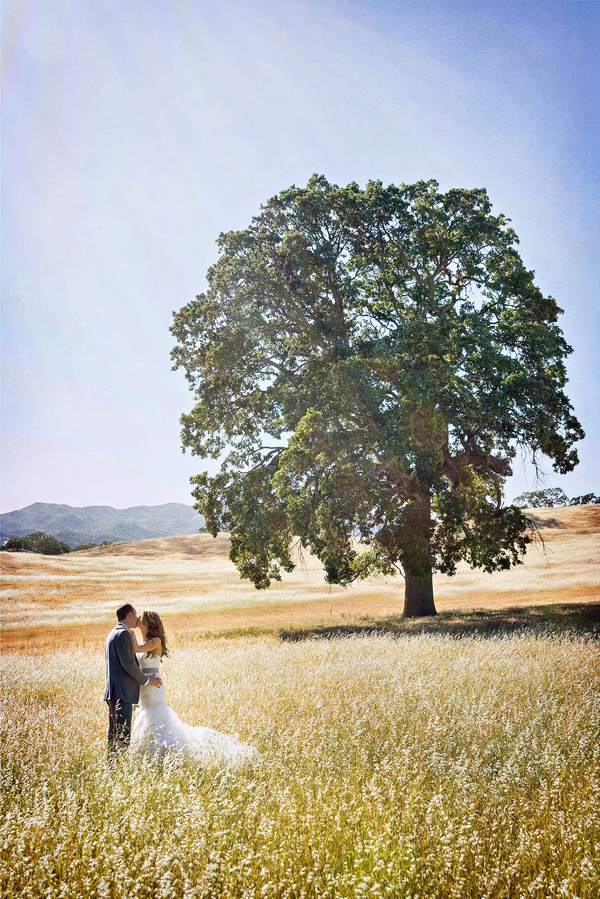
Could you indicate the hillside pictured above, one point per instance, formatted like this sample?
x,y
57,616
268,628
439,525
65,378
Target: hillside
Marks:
x,y
555,522
94,524
189,579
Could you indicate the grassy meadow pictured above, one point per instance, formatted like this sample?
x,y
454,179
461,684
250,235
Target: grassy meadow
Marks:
x,y
458,757
416,766
196,589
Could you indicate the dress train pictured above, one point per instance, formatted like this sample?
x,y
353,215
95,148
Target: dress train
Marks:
x,y
158,730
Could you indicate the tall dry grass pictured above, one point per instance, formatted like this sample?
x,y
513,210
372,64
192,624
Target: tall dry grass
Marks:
x,y
192,578
410,767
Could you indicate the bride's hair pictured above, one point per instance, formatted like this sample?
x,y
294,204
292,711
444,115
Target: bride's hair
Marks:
x,y
155,628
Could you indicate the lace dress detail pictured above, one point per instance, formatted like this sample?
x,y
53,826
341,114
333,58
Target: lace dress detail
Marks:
x,y
158,730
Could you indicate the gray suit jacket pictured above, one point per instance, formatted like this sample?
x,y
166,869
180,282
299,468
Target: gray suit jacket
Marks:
x,y
123,674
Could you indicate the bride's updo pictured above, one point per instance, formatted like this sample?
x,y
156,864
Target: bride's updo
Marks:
x,y
155,628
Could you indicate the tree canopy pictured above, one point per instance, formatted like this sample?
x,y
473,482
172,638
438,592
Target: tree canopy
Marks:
x,y
542,499
372,359
37,542
587,499
552,496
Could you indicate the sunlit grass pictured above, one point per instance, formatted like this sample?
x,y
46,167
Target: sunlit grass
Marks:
x,y
192,577
46,591
412,767
51,592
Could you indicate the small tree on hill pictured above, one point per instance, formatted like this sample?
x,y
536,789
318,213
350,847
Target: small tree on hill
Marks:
x,y
542,499
37,542
372,357
552,496
588,499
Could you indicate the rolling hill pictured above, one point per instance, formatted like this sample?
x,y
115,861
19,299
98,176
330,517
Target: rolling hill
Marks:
x,y
189,579
95,524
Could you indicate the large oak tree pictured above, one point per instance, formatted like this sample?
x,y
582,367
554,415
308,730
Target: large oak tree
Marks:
x,y
373,359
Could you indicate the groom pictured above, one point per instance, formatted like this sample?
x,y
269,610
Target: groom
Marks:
x,y
123,679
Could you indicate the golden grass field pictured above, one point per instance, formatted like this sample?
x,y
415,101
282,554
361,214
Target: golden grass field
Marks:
x,y
56,599
407,765
418,766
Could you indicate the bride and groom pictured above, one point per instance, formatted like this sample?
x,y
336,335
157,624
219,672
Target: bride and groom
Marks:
x,y
132,677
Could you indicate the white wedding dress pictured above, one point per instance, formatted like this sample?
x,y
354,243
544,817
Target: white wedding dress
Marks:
x,y
158,730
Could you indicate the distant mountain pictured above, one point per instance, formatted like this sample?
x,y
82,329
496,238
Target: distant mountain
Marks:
x,y
94,524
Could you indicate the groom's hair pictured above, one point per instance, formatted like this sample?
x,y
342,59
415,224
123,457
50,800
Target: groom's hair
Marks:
x,y
123,611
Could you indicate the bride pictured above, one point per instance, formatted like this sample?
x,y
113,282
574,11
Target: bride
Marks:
x,y
157,729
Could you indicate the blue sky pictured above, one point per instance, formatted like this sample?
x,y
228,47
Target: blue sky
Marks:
x,y
134,131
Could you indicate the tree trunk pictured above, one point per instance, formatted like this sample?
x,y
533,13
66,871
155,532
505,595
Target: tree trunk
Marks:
x,y
417,561
418,596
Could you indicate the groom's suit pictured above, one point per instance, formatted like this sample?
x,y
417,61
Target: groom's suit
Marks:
x,y
123,679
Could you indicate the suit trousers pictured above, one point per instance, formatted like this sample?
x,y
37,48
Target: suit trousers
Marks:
x,y
119,725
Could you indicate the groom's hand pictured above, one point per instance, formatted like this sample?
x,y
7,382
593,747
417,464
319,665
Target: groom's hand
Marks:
x,y
154,680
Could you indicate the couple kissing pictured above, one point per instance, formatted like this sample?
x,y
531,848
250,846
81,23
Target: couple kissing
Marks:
x,y
133,678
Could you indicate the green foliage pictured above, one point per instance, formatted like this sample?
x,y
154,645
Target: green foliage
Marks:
x,y
542,499
81,546
588,499
373,358
38,542
552,496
